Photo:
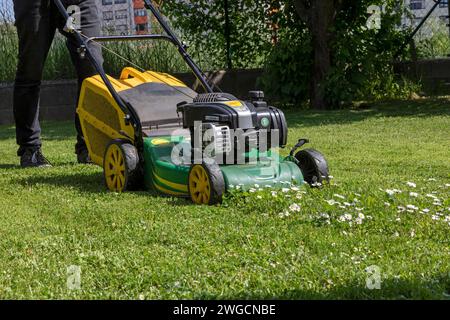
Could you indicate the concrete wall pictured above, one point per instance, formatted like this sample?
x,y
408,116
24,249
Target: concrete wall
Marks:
x,y
433,74
58,98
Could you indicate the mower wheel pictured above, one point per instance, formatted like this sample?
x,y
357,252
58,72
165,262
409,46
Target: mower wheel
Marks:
x,y
121,166
206,184
313,165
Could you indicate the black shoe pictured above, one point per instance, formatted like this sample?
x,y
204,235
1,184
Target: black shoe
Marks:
x,y
33,158
83,157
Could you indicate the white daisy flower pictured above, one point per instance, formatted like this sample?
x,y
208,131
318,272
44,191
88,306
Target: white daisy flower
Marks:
x,y
412,207
294,207
411,184
413,194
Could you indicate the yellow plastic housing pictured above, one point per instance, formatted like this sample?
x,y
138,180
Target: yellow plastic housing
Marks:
x,y
101,118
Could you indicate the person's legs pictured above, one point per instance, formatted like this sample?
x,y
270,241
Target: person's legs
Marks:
x,y
35,37
90,27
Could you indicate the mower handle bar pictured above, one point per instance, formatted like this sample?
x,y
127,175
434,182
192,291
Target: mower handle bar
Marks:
x,y
131,114
139,37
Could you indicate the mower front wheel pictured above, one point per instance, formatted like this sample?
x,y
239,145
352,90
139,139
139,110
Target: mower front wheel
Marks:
x,y
313,165
121,166
206,184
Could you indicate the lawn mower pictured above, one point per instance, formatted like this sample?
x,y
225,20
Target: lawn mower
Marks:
x,y
150,129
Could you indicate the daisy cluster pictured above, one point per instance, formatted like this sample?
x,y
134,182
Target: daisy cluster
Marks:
x,y
413,200
351,212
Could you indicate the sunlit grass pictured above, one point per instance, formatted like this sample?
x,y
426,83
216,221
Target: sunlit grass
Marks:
x,y
386,209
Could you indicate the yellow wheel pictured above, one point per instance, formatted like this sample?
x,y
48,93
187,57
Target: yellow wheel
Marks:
x,y
206,184
120,166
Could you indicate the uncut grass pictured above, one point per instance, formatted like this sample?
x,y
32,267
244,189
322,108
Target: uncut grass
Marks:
x,y
141,246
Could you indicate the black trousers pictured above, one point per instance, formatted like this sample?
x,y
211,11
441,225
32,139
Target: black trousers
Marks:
x,y
36,23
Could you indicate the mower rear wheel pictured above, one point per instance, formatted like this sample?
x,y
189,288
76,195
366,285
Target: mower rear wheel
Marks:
x,y
121,166
313,165
206,184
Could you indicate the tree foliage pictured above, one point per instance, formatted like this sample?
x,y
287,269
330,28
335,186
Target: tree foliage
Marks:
x,y
202,24
322,51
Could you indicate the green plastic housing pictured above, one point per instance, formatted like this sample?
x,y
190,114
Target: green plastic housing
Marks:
x,y
163,175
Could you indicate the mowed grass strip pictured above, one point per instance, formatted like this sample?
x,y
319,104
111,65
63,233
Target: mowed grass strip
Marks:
x,y
383,222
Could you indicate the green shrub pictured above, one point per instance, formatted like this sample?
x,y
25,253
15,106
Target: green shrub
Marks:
x,y
287,69
433,41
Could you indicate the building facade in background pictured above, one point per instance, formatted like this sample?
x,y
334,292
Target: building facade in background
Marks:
x,y
141,20
419,9
123,17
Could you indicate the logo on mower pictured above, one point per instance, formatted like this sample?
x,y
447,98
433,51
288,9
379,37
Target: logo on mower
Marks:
x,y
222,145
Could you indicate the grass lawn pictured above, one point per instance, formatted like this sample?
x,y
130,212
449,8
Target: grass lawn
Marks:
x,y
345,235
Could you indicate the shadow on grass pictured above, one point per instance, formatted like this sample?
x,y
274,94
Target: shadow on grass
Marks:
x,y
427,107
88,183
51,131
437,288
412,108
9,166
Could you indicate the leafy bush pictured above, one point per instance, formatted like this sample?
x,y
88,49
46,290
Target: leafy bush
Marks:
x,y
361,60
286,76
434,41
202,25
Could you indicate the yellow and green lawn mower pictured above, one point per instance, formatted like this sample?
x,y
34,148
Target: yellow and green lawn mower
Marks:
x,y
149,129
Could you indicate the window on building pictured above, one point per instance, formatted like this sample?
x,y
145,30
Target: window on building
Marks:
x,y
122,29
140,13
107,2
444,18
108,15
443,4
417,4
121,14
142,27
119,1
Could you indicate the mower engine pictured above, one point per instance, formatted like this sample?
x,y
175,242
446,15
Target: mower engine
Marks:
x,y
225,124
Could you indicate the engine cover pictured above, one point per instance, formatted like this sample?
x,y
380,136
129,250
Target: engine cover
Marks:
x,y
222,109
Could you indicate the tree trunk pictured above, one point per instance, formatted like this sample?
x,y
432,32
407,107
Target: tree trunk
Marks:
x,y
319,16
